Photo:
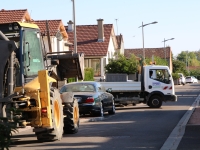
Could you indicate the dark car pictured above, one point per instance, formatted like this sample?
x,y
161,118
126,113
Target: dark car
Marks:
x,y
92,97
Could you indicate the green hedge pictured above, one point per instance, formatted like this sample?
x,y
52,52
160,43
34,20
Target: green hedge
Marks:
x,y
89,74
175,76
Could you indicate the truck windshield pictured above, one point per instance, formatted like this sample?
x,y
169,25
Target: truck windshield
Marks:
x,y
33,60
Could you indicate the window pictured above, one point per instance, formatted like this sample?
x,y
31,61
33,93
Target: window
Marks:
x,y
78,88
33,57
161,75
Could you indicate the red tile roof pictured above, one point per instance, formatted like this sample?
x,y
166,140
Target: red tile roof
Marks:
x,y
7,16
87,39
160,52
54,27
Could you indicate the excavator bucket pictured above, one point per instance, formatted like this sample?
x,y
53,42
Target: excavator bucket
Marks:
x,y
69,64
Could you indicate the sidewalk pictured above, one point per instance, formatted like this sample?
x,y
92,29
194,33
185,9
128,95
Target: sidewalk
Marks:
x,y
191,138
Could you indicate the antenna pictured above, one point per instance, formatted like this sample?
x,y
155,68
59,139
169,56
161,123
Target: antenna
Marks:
x,y
117,26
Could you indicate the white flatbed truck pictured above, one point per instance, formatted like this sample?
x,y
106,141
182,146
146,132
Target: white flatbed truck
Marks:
x,y
156,86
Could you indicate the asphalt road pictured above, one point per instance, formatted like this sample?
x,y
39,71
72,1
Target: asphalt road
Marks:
x,y
132,127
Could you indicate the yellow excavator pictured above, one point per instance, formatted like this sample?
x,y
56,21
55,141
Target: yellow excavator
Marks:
x,y
29,79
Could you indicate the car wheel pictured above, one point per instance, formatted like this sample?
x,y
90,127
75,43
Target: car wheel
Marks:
x,y
112,111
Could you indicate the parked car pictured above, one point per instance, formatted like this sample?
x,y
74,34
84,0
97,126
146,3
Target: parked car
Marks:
x,y
191,79
181,79
92,97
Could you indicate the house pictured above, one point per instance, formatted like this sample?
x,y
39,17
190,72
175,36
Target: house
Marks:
x,y
8,16
164,53
56,28
98,43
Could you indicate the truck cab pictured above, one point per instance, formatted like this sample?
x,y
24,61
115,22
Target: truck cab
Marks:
x,y
158,81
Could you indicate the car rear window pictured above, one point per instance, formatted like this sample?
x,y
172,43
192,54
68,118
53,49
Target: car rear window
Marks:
x,y
78,88
188,77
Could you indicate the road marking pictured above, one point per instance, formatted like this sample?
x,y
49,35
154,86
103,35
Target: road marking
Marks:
x,y
176,135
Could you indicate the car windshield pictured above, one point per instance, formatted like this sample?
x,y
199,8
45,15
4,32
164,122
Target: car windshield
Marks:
x,y
78,88
188,77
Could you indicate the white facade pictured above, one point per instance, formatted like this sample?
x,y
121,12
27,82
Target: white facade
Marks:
x,y
105,60
57,46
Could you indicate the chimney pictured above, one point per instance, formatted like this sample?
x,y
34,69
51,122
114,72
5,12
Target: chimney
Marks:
x,y
70,26
100,30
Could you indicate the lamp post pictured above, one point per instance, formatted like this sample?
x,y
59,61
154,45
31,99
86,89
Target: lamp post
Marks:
x,y
143,25
74,20
75,39
164,45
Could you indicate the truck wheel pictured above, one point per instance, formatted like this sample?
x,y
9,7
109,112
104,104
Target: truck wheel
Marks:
x,y
71,121
155,101
112,111
56,132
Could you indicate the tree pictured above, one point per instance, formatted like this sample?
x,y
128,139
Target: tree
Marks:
x,y
158,60
122,65
179,67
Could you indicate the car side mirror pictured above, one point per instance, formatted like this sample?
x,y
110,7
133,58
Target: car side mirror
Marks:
x,y
109,90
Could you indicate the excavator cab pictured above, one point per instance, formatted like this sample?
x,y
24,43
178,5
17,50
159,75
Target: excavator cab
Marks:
x,y
28,52
26,81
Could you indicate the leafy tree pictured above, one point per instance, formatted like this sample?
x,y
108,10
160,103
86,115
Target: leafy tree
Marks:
x,y
182,56
122,65
179,67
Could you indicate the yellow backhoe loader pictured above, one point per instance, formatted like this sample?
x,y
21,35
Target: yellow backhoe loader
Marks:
x,y
30,84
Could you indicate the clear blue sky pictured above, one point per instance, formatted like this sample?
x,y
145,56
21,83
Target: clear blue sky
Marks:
x,y
177,19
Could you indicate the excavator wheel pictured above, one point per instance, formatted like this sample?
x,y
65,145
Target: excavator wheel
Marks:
x,y
56,132
71,119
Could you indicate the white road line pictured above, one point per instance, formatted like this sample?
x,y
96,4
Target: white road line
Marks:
x,y
176,135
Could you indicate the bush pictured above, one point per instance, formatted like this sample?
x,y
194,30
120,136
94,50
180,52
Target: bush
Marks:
x,y
89,74
122,65
6,129
71,80
175,76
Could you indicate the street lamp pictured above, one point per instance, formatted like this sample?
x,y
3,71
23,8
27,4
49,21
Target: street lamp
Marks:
x,y
143,25
164,45
75,39
74,20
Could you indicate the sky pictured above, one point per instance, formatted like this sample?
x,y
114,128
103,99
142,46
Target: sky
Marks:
x,y
176,19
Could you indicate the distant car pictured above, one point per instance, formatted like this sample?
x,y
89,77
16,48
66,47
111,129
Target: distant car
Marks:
x,y
92,97
181,79
191,79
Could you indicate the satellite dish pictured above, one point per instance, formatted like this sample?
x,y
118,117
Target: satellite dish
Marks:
x,y
59,36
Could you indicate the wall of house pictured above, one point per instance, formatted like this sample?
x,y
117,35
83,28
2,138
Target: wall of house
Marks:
x,y
110,54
